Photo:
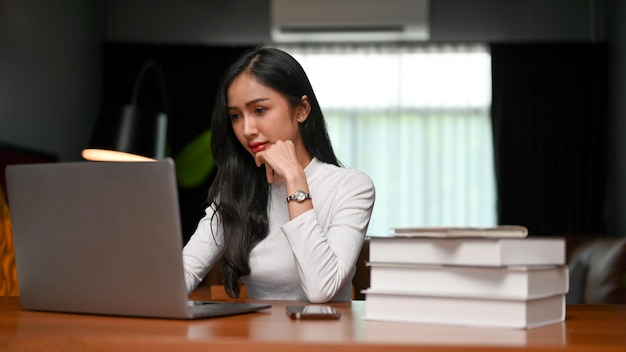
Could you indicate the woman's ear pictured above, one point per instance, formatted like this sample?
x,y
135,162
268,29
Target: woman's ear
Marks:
x,y
303,109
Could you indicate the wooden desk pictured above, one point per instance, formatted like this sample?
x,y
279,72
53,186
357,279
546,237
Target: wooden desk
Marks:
x,y
587,328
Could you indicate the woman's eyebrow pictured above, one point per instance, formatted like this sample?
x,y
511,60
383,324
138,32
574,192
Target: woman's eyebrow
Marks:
x,y
252,102
255,101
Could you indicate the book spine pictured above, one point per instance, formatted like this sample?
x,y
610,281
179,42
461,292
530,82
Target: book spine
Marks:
x,y
465,312
471,282
475,252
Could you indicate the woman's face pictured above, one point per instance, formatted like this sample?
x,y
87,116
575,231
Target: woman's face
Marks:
x,y
260,116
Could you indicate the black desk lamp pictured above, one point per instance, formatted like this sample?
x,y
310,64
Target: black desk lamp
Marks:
x,y
131,133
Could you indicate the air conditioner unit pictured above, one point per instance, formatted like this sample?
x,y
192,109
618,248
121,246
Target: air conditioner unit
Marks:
x,y
348,20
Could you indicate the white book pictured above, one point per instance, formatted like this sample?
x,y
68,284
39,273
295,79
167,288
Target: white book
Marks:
x,y
477,251
515,231
464,337
494,313
511,282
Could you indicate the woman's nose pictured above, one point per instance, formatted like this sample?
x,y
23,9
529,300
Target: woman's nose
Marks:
x,y
249,126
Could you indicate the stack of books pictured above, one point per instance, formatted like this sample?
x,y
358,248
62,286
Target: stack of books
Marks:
x,y
481,277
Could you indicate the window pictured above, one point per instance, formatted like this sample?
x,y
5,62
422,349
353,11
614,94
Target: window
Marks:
x,y
416,119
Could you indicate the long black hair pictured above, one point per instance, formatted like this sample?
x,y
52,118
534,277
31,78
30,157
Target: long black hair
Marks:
x,y
240,192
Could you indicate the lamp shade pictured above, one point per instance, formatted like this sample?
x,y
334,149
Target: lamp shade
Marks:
x,y
128,133
133,132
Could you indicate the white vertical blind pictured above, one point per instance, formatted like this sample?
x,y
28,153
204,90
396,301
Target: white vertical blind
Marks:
x,y
416,119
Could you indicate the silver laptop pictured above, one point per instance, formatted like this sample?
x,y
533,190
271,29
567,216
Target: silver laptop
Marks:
x,y
103,238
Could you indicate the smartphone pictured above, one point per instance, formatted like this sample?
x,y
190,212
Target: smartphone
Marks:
x,y
312,312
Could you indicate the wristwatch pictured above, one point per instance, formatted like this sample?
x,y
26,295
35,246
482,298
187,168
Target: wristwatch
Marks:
x,y
299,196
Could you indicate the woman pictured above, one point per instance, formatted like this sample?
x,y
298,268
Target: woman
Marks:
x,y
288,220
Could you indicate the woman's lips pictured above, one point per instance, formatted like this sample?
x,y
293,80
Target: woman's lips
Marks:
x,y
257,147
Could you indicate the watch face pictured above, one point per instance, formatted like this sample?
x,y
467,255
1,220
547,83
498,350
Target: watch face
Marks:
x,y
299,196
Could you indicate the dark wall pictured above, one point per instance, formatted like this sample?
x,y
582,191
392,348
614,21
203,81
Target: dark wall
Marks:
x,y
517,20
192,73
249,21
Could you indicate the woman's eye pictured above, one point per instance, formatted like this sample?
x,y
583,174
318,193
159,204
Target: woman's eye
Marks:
x,y
259,111
234,116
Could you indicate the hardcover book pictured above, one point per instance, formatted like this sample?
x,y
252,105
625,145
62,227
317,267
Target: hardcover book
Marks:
x,y
474,251
515,231
512,282
393,306
468,338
